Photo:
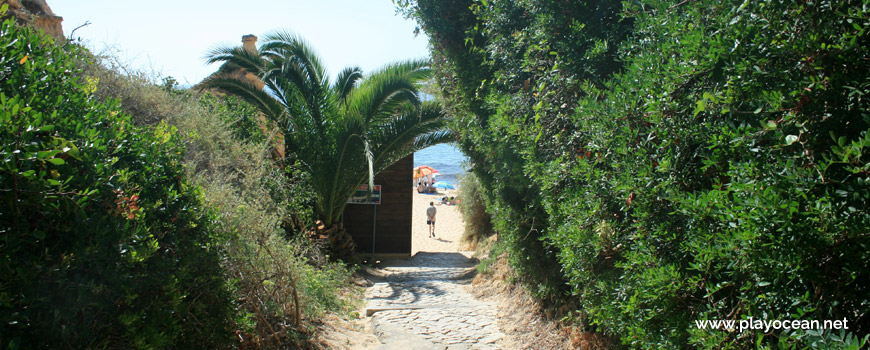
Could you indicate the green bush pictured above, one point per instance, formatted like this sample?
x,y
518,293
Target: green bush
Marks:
x,y
104,243
258,204
478,224
689,160
274,279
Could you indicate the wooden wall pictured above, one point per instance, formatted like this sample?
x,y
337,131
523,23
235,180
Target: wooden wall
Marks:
x,y
393,230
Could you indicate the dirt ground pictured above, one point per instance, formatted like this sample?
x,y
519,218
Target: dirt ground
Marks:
x,y
336,333
526,323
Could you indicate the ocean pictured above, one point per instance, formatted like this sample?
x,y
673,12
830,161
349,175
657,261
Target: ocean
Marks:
x,y
445,158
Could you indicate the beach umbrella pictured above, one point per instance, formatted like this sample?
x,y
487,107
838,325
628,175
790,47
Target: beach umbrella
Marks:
x,y
423,170
444,184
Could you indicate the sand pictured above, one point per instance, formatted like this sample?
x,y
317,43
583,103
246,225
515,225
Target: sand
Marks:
x,y
448,224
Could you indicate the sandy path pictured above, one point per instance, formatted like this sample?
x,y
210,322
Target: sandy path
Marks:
x,y
448,224
423,303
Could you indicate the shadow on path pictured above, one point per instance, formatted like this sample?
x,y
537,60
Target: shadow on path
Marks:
x,y
426,297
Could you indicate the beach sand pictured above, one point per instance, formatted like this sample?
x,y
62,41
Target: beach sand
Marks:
x,y
448,224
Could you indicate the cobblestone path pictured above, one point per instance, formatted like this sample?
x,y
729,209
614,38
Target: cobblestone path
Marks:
x,y
423,303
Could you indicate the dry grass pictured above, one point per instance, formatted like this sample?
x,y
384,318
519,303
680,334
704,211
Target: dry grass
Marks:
x,y
478,225
527,324
336,333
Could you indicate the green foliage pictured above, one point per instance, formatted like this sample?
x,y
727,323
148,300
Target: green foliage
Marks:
x,y
489,122
274,279
92,206
340,134
150,103
230,159
478,223
341,131
240,116
685,161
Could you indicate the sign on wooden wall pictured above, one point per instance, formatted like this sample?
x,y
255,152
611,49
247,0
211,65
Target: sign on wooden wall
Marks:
x,y
361,195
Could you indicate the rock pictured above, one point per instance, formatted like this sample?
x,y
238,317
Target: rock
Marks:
x,y
491,339
38,14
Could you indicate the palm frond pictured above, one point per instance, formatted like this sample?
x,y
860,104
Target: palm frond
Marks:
x,y
416,69
296,63
370,161
384,92
290,47
342,134
346,82
432,139
249,92
399,137
236,56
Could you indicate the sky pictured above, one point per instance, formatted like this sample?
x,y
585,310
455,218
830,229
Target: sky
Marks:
x,y
171,38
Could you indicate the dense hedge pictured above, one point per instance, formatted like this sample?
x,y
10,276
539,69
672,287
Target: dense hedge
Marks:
x,y
675,161
103,244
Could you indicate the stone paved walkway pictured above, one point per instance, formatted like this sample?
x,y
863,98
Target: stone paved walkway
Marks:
x,y
423,303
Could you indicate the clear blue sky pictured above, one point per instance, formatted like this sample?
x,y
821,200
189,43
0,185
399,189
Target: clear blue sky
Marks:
x,y
172,37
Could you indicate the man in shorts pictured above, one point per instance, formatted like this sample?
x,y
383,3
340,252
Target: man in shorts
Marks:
x,y
430,218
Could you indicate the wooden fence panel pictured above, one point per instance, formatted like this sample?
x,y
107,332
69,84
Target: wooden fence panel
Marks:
x,y
392,218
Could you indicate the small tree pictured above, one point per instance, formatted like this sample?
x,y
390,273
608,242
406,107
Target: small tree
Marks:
x,y
340,133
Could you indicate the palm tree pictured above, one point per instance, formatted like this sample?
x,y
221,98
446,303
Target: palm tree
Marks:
x,y
341,133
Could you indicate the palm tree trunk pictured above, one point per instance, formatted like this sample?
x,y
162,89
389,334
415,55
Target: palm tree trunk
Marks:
x,y
335,239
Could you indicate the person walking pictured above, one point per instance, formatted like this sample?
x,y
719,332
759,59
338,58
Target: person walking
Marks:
x,y
430,218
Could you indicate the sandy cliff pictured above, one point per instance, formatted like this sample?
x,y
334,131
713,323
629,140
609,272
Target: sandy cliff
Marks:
x,y
36,13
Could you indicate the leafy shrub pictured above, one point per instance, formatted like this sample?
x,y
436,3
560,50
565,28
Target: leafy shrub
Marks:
x,y
241,118
465,76
477,221
689,161
274,277
104,243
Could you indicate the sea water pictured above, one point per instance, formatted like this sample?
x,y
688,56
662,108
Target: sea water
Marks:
x,y
445,158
